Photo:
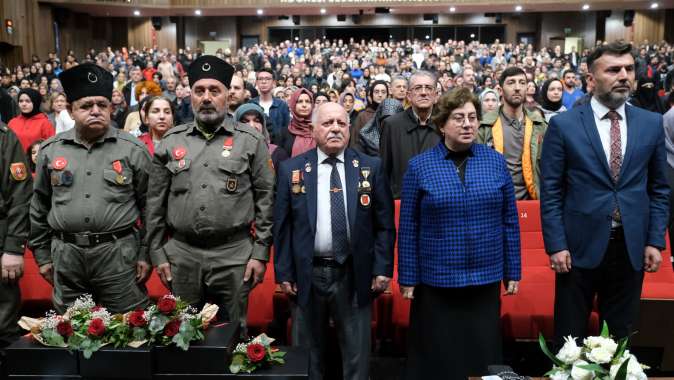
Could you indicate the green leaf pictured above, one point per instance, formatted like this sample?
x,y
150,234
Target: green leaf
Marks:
x,y
604,330
546,351
622,371
139,333
622,346
596,368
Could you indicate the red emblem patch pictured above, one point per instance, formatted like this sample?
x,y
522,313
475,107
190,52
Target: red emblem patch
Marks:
x,y
179,153
18,170
59,163
117,167
365,200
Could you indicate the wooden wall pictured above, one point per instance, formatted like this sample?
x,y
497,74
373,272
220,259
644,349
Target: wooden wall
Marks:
x,y
648,25
32,34
142,34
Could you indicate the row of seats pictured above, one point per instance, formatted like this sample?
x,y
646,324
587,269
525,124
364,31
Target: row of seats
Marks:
x,y
524,316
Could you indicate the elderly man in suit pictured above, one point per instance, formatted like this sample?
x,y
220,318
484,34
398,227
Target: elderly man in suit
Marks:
x,y
604,199
334,237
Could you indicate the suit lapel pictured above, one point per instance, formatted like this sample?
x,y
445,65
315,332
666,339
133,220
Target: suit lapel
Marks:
x,y
352,174
311,185
587,118
631,139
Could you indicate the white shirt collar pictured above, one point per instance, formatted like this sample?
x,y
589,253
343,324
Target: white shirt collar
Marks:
x,y
322,156
601,110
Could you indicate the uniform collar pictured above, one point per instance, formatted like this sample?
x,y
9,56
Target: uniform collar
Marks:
x,y
226,125
71,135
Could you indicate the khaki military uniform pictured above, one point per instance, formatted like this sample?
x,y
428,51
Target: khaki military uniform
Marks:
x,y
82,194
15,192
205,193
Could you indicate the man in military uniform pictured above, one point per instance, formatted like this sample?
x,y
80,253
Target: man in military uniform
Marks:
x,y
15,192
90,187
211,181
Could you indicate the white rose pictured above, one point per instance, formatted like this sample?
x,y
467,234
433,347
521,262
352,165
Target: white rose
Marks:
x,y
592,341
634,369
560,375
609,345
570,352
578,373
599,355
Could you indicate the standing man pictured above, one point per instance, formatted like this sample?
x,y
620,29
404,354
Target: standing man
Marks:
x,y
603,199
275,108
516,133
406,134
237,95
399,88
90,185
571,91
129,89
334,236
210,180
16,187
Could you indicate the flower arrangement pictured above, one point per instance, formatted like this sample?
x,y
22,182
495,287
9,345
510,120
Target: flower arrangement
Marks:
x,y
88,327
600,357
258,353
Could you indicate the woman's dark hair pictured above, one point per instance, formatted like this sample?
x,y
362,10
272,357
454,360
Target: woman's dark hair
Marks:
x,y
450,101
148,104
29,154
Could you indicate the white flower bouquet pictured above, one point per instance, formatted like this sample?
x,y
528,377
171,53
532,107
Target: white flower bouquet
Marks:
x,y
600,358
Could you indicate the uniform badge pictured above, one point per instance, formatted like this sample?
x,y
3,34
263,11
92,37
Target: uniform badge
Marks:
x,y
117,167
66,178
295,180
307,167
355,163
181,164
59,163
18,170
271,164
365,200
365,173
227,147
179,153
303,189
232,184
55,179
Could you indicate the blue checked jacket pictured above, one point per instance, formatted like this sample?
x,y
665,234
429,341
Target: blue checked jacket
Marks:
x,y
453,234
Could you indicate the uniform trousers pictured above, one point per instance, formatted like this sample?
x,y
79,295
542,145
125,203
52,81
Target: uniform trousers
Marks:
x,y
454,333
614,282
214,274
107,271
333,297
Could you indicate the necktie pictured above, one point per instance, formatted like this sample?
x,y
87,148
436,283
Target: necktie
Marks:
x,y
340,243
616,155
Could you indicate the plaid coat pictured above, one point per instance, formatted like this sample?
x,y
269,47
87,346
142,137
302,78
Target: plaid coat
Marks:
x,y
453,234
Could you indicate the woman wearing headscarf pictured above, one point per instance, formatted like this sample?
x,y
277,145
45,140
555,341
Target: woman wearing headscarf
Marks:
x,y
298,137
646,96
253,115
348,101
31,124
551,99
371,132
376,93
489,100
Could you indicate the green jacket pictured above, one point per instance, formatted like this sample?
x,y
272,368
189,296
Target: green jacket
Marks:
x,y
484,136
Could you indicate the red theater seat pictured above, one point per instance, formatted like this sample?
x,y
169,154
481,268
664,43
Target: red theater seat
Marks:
x,y
261,300
35,290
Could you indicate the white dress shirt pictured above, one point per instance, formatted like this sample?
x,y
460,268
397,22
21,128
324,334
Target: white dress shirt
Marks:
x,y
323,240
604,127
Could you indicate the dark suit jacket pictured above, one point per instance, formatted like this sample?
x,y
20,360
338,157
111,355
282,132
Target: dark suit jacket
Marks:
x,y
578,194
372,228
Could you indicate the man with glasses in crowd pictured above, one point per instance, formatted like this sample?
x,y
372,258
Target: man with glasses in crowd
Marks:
x,y
276,109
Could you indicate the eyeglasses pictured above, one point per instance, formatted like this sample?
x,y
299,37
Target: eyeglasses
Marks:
x,y
419,89
460,119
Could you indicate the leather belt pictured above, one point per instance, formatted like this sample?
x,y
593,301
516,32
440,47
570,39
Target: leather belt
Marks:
x,y
90,239
214,240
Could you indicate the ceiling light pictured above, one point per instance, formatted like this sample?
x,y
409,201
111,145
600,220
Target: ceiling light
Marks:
x,y
586,7
452,9
472,35
428,37
197,12
518,8
260,12
654,5
136,13
323,11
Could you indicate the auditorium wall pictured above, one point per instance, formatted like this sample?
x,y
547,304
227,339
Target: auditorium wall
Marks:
x,y
581,25
211,29
647,25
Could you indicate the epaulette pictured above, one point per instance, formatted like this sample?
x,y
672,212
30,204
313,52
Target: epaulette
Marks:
x,y
126,136
178,129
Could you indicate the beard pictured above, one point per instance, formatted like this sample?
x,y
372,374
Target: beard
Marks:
x,y
613,100
209,116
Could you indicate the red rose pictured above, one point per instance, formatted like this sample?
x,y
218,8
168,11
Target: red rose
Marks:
x,y
65,329
96,308
137,318
96,327
172,328
166,305
256,352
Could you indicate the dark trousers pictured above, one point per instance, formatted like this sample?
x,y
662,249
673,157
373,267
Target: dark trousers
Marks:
x,y
670,180
10,303
454,332
333,297
616,285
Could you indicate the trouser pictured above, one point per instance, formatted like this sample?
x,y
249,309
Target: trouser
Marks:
x,y
107,271
669,171
333,297
617,287
10,303
212,274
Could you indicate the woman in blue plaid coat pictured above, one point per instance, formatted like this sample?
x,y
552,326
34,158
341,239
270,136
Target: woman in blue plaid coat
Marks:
x,y
459,238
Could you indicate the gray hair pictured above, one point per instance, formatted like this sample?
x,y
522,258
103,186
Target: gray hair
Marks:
x,y
423,73
400,78
316,113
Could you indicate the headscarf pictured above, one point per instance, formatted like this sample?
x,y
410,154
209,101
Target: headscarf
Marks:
x,y
372,104
248,108
489,91
344,95
35,98
371,131
300,126
647,97
545,102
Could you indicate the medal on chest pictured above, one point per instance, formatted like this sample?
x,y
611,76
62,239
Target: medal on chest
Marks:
x,y
227,147
117,167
